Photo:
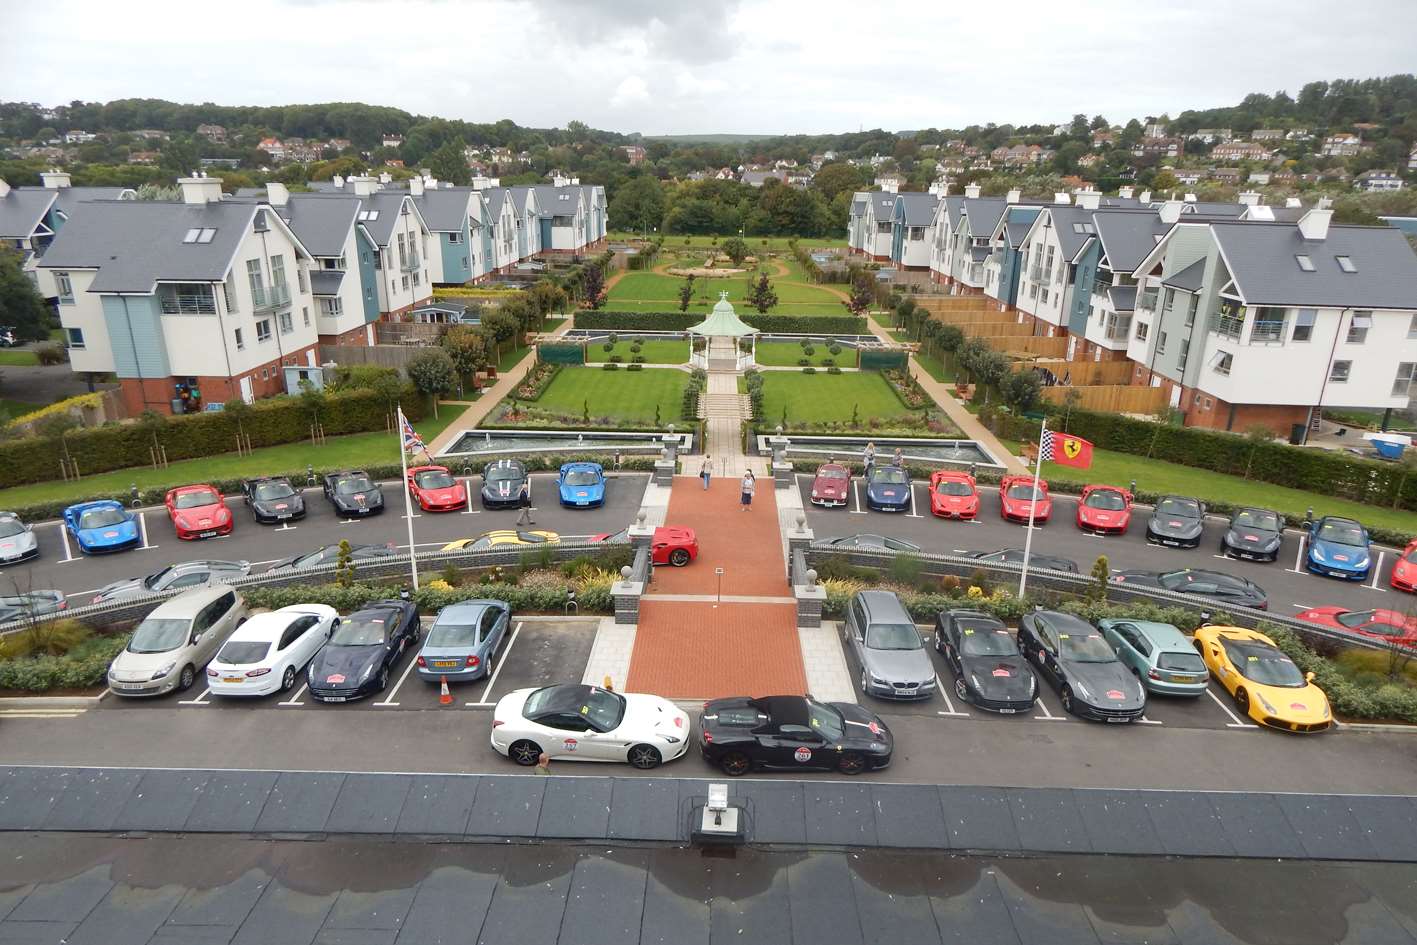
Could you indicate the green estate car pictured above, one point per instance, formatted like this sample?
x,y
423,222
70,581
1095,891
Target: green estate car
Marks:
x,y
1161,656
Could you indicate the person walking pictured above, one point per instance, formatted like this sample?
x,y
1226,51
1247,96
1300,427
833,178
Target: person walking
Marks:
x,y
706,470
525,517
543,764
749,486
870,458
899,458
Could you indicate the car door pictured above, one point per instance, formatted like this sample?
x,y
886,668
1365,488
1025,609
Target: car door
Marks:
x,y
298,643
489,634
798,746
565,736
223,617
1127,645
856,630
1047,653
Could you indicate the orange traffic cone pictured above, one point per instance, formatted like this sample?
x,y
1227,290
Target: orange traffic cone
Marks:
x,y
445,697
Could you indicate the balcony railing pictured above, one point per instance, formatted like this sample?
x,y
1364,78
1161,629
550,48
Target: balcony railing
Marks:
x,y
1227,325
1099,287
1147,300
1267,332
266,298
410,263
1121,331
187,300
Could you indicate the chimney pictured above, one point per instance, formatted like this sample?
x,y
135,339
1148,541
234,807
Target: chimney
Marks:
x,y
1125,192
1249,198
415,186
1171,211
1293,203
1145,197
386,178
1061,198
277,195
971,190
430,183
4,187
1089,199
200,189
1013,196
363,186
1190,198
1314,224
338,181
55,179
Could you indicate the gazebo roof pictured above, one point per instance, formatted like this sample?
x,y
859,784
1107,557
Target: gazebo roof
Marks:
x,y
723,322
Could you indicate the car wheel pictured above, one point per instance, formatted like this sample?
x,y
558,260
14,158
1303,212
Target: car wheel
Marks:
x,y
863,682
644,757
679,557
735,764
851,763
1066,697
961,690
524,753
287,682
1242,699
189,676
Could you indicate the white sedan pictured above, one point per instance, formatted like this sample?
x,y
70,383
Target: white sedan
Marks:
x,y
267,652
587,723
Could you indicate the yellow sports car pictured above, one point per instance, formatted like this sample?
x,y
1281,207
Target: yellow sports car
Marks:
x,y
1266,684
502,537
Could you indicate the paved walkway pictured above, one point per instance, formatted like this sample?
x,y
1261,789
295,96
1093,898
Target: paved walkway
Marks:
x,y
725,411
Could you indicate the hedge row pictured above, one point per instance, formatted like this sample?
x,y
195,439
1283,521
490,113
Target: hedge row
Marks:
x,y
269,422
591,597
1392,701
81,668
682,321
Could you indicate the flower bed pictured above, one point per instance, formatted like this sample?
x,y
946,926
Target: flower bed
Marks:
x,y
908,389
537,380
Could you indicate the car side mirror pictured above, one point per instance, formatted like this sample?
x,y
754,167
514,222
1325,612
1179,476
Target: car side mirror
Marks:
x,y
1308,677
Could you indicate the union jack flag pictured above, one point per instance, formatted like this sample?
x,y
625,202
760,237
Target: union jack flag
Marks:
x,y
412,442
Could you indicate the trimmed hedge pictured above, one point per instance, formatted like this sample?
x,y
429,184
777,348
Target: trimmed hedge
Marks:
x,y
539,598
271,422
84,666
682,321
1349,699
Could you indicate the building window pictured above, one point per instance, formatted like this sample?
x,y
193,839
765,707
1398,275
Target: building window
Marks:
x,y
1142,329
405,283
287,324
1161,342
1268,326
76,337
1412,327
265,373
1223,361
331,308
1358,328
305,315
1170,302
415,277
228,290
1184,355
253,276
187,299
454,237
300,279
1304,324
464,262
240,340
1401,387
1345,263
1339,371
1191,309
263,330
403,253
277,270
65,287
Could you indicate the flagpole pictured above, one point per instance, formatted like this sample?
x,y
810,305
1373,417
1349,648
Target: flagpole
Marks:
x,y
1032,506
408,499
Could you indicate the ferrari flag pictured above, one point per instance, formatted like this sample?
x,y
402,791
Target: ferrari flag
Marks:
x,y
1066,449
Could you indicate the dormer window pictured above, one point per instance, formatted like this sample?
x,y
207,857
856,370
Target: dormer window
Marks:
x,y
1345,264
1305,263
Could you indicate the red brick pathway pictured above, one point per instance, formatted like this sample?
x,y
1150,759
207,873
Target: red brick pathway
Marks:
x,y
747,545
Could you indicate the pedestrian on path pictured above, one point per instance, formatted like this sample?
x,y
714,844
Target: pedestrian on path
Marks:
x,y
543,764
706,470
870,458
749,486
525,518
899,458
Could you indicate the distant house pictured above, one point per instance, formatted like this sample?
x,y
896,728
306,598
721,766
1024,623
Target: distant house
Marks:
x,y
1089,160
1226,175
1154,130
212,132
1241,151
143,157
1159,147
757,178
1212,135
1412,160
78,137
392,141
1260,177
1374,181
1188,177
1267,134
1342,145
274,147
1099,138
891,183
634,153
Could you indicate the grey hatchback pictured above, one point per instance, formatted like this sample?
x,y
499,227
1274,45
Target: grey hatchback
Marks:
x,y
462,640
893,658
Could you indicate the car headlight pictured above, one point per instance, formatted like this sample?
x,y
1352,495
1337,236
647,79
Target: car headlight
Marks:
x,y
1361,562
1082,690
165,670
182,522
1265,702
223,514
975,679
1273,544
368,671
877,680
671,739
1317,552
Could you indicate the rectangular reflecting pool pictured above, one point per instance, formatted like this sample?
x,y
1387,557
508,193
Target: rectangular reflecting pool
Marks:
x,y
852,448
485,444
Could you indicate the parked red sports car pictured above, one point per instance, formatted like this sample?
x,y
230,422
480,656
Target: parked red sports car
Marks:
x,y
953,494
1384,624
673,544
1404,570
198,512
1016,497
435,489
832,485
1104,509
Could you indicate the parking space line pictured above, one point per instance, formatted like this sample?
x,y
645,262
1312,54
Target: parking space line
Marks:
x,y
295,699
913,513
64,536
1146,721
143,527
856,495
1047,716
1235,721
949,704
497,670
200,700
1377,573
1299,557
467,487
286,527
389,699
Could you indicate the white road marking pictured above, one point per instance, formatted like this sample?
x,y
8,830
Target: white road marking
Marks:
x,y
497,670
467,487
1235,721
1300,606
64,535
1377,572
856,495
389,699
912,502
200,700
143,527
1299,557
1047,716
287,527
1146,721
295,699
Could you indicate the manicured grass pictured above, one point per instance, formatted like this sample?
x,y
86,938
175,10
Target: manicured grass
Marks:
x,y
777,244
9,357
652,291
1154,475
935,367
629,396
511,359
10,409
660,351
355,450
818,398
787,354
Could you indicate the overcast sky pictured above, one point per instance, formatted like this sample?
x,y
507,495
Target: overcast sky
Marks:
x,y
673,67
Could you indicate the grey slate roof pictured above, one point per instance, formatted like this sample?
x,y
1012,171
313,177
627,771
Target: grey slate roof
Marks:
x,y
445,211
496,196
103,238
1063,218
1260,257
1215,209
550,204
388,203
953,207
519,198
1188,279
979,253
326,281
1127,236
984,213
22,209
68,198
1019,219
883,205
1123,297
322,222
918,209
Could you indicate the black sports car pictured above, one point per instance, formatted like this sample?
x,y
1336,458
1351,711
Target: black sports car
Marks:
x,y
1226,588
329,554
1254,533
505,485
1072,655
356,660
1035,560
1177,521
792,733
273,499
990,672
353,493
873,542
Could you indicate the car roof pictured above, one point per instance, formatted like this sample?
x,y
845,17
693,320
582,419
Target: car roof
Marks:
x,y
784,710
194,487
469,606
266,627
1340,518
95,504
1059,620
1162,634
188,603
883,605
256,479
580,464
427,468
952,474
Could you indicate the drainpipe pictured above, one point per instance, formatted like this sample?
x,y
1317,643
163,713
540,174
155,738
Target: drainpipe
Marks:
x,y
1323,388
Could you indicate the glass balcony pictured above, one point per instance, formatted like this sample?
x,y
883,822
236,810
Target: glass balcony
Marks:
x,y
1271,332
268,298
410,263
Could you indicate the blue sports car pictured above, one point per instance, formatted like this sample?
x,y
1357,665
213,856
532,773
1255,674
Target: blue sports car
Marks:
x,y
102,526
581,485
1338,547
888,489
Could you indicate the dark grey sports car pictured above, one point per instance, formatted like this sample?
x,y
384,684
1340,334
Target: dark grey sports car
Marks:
x,y
505,485
1217,585
353,493
273,499
873,542
1074,658
1176,521
1254,533
329,554
1035,560
989,670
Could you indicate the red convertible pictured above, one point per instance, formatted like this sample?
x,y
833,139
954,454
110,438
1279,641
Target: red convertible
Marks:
x,y
1384,624
672,544
1017,497
198,512
435,489
832,485
1104,509
953,494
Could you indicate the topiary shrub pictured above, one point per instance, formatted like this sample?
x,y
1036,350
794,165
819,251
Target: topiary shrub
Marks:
x,y
809,351
634,367
803,362
610,366
828,362
809,370
608,346
616,359
833,370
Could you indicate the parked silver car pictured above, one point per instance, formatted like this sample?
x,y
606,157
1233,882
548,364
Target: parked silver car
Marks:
x,y
174,577
462,640
176,641
17,541
893,658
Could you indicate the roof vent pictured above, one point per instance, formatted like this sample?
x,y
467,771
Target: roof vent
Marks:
x,y
971,190
1314,224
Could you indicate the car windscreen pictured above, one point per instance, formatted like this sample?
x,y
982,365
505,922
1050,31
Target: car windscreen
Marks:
x,y
363,630
890,476
1341,534
581,477
155,580
160,634
987,641
1354,618
601,708
1263,664
1106,500
266,491
10,527
1181,508
892,636
503,474
1026,492
192,500
832,472
1176,580
953,487
826,720
434,479
101,518
353,485
1085,648
1411,556
243,652
1258,520
452,633
1180,663
309,559
479,544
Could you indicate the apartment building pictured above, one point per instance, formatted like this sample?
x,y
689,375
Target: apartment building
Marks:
x,y
876,230
910,244
30,217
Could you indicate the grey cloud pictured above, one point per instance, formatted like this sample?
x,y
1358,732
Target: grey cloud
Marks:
x,y
670,29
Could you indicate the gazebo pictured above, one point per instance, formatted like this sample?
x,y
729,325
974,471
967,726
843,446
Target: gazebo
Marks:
x,y
725,327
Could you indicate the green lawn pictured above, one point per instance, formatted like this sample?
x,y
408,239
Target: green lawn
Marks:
x,y
1154,475
358,449
9,357
776,244
10,409
935,367
652,291
511,359
819,398
629,396
660,351
787,354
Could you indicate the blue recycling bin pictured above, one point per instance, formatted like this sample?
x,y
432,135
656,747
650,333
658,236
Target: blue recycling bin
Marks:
x,y
1389,450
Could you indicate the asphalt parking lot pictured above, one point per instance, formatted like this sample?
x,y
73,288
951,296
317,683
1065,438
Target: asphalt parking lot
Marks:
x,y
535,653
61,566
1290,588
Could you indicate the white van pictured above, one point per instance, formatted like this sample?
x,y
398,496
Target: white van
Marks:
x,y
174,642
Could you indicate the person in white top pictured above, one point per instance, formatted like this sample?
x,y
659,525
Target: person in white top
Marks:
x,y
747,489
706,470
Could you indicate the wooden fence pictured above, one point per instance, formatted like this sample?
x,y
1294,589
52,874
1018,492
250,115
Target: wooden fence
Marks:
x,y
408,333
390,356
952,303
1083,373
1112,398
964,319
1030,346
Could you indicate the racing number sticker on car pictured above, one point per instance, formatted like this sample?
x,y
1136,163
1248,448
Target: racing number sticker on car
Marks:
x,y
570,744
336,678
803,755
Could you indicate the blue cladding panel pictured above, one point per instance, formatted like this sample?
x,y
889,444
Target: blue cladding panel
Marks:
x,y
453,256
368,279
135,333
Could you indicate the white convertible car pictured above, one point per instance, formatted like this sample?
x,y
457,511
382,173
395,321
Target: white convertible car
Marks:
x,y
586,723
267,652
